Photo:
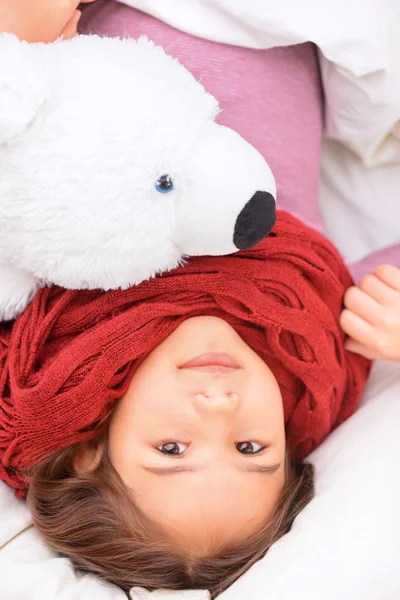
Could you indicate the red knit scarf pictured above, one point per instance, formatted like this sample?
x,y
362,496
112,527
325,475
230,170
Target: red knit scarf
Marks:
x,y
67,359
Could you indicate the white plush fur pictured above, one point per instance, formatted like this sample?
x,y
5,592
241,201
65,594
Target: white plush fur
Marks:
x,y
86,129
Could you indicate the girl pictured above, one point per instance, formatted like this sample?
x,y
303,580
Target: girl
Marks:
x,y
158,432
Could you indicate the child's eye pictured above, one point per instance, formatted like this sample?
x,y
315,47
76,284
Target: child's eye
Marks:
x,y
249,447
172,448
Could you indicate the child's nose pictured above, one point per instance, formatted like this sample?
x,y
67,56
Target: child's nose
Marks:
x,y
215,402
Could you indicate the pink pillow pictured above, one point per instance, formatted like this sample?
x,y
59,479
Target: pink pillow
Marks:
x,y
273,98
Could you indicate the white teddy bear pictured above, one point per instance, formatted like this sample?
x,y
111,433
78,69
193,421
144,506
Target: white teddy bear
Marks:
x,y
113,169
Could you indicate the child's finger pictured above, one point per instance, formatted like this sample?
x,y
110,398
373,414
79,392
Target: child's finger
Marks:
x,y
356,328
389,275
362,305
378,290
71,27
353,346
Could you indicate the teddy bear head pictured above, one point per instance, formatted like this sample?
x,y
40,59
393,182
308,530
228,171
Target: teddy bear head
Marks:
x,y
113,167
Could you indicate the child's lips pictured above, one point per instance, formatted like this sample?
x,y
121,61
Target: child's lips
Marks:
x,y
212,363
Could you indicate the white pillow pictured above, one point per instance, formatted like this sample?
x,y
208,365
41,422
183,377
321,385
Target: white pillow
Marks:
x,y
344,546
360,205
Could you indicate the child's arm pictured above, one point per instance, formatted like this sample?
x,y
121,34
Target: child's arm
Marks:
x,y
372,315
40,20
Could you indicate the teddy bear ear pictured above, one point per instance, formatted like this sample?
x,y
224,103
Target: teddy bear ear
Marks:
x,y
22,86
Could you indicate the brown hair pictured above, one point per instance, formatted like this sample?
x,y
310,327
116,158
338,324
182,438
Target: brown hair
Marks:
x,y
93,520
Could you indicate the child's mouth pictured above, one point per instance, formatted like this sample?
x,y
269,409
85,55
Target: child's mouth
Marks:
x,y
212,363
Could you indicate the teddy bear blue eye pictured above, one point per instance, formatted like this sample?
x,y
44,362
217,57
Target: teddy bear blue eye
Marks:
x,y
164,184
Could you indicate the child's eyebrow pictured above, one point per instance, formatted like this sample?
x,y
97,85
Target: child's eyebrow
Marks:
x,y
250,468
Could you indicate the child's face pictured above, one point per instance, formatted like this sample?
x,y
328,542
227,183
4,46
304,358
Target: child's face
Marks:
x,y
187,441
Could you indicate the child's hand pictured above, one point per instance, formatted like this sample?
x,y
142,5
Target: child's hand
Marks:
x,y
40,20
372,315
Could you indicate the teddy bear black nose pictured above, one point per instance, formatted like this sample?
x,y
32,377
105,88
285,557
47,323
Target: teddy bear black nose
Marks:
x,y
255,221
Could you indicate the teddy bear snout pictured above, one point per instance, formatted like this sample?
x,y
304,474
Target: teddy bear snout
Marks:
x,y
255,221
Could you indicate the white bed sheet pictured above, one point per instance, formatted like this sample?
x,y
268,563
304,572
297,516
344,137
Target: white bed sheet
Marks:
x,y
344,546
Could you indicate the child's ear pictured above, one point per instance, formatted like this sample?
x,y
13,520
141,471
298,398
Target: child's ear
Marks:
x,y
88,457
22,85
